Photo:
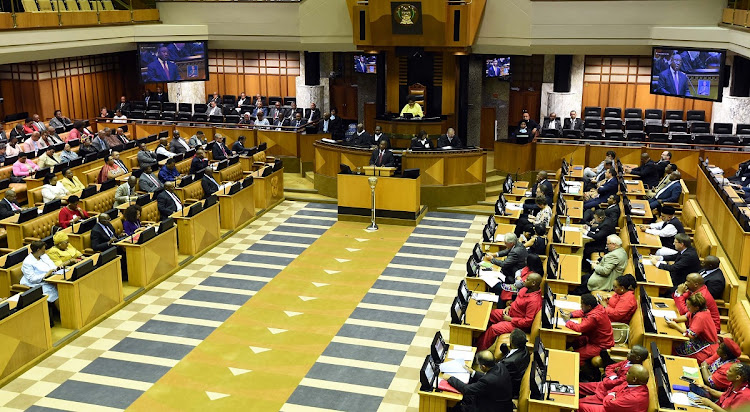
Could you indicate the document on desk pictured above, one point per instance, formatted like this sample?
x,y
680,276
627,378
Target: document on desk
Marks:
x,y
460,355
453,367
669,314
716,170
691,372
567,305
561,322
486,297
462,348
463,377
571,229
647,262
682,398
630,182
491,278
513,206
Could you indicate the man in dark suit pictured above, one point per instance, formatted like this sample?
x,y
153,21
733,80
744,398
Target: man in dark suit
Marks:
x,y
421,141
298,121
162,69
103,234
379,135
361,66
516,358
541,187
608,188
669,194
123,106
199,161
215,99
494,70
312,114
515,259
601,227
490,389
686,261
450,139
664,161
147,182
647,171
209,184
167,201
382,156
553,123
362,138
8,206
276,113
159,96
220,151
713,277
673,80
241,101
573,123
336,125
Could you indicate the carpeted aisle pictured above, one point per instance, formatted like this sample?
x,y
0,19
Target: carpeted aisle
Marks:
x,y
260,354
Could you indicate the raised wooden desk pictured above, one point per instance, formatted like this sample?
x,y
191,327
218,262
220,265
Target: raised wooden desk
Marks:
x,y
151,260
440,401
572,241
511,215
411,127
476,320
563,366
197,232
25,337
664,336
557,337
85,300
575,209
236,209
570,274
651,243
674,366
268,190
17,232
395,197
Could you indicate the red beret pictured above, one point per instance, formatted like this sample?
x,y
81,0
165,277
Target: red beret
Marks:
x,y
733,347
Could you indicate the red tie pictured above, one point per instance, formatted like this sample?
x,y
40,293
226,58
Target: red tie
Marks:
x,y
166,70
380,159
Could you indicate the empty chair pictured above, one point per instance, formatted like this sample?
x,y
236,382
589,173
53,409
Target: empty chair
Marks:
x,y
216,119
169,107
635,135
743,129
229,99
612,134
232,118
138,105
658,137
185,107
704,138
673,116
184,116
653,128
288,100
592,112
612,124
200,117
696,115
168,115
634,125
154,106
273,99
138,114
677,127
200,108
680,137
592,128
153,114
228,109
700,127
633,113
613,113
723,129
654,116
730,140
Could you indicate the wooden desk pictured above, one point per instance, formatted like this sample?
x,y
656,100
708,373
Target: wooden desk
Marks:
x,y
441,401
25,337
268,190
575,209
15,232
9,276
510,216
151,260
280,143
476,320
651,243
635,189
645,219
411,127
657,280
395,197
197,232
570,274
563,366
85,300
557,338
575,172
572,242
674,366
237,209
664,336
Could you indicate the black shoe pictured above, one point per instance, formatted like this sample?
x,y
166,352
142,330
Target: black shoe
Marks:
x,y
606,359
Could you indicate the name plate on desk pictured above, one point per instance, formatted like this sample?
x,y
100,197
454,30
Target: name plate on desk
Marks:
x,y
379,171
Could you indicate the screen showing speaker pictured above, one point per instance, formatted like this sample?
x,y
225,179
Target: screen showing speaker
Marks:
x,y
498,67
686,72
173,62
365,64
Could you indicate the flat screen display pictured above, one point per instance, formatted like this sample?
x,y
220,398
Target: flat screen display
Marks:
x,y
365,64
498,67
691,73
173,62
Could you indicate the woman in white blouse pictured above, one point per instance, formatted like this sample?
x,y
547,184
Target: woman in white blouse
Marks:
x,y
36,266
53,189
119,117
526,223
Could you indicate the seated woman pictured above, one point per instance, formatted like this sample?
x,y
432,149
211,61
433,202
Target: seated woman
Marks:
x,y
13,148
737,396
110,170
715,368
621,306
699,327
24,167
63,253
71,183
131,219
536,241
37,266
543,214
53,190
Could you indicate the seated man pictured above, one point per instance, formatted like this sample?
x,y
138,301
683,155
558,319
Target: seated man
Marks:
x,y
382,156
686,260
163,149
515,254
361,137
489,389
647,171
178,144
610,267
542,187
147,182
169,172
631,395
694,284
449,139
516,358
614,375
48,159
591,172
531,125
8,205
601,227
594,182
220,151
607,188
168,202
553,123
713,277
595,328
520,314
199,161
666,228
146,157
103,234
669,193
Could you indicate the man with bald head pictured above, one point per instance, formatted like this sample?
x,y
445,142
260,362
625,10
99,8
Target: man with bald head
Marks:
x,y
553,123
34,143
647,171
167,201
694,283
449,139
489,388
713,277
8,206
631,395
614,375
542,187
51,137
520,314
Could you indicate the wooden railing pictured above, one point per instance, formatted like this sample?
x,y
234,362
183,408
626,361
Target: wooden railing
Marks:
x,y
736,13
27,14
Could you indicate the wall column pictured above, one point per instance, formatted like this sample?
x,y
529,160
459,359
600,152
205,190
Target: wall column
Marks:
x,y
319,94
563,103
187,92
731,108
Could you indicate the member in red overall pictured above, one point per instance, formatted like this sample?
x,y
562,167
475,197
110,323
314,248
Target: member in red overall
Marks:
x,y
595,328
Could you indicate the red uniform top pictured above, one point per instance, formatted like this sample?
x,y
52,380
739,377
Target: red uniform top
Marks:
x,y
718,379
524,308
732,399
614,376
66,215
621,308
595,325
625,398
701,329
679,301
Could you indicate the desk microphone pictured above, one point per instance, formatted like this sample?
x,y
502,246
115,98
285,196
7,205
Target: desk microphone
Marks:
x,y
479,302
516,179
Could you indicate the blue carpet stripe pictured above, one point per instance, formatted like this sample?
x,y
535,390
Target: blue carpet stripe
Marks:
x,y
189,308
428,266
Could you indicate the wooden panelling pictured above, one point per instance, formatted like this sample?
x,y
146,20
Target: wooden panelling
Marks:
x,y
269,73
487,127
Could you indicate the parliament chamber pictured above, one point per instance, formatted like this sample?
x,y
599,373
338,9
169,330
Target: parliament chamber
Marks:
x,y
370,205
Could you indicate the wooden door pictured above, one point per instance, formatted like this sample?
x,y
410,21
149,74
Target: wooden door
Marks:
x,y
488,116
344,99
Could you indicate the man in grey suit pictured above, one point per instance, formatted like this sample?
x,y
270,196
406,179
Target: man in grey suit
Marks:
x,y
611,266
59,120
99,143
125,192
145,157
148,182
178,144
515,259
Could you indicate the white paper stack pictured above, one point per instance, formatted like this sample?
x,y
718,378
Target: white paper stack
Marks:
x,y
463,377
460,355
490,277
452,367
669,314
567,305
513,206
487,297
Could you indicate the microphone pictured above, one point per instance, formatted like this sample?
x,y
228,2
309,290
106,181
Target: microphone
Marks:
x,y
479,302
516,178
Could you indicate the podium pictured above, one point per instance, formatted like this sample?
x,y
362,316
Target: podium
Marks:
x,y
397,200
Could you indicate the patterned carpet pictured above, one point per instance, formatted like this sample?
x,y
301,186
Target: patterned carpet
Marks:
x,y
295,312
